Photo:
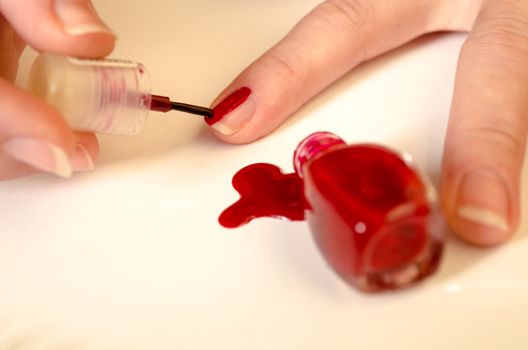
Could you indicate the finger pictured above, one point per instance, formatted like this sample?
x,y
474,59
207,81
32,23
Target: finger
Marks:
x,y
486,136
336,36
82,159
86,151
10,49
34,137
69,27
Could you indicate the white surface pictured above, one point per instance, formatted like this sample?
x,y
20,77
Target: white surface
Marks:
x,y
131,255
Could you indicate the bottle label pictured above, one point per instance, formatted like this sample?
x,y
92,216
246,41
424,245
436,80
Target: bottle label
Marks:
x,y
103,62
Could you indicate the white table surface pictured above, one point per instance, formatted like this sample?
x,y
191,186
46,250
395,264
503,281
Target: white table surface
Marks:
x,y
131,256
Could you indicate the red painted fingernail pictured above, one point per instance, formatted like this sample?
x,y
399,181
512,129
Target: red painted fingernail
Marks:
x,y
233,112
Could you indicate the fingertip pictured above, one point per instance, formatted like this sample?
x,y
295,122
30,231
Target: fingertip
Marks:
x,y
85,153
61,26
89,45
232,112
93,45
480,207
468,224
249,110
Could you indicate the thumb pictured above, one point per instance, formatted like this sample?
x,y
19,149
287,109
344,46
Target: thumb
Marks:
x,y
69,27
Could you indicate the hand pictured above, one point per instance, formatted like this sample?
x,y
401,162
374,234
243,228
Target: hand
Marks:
x,y
33,136
486,136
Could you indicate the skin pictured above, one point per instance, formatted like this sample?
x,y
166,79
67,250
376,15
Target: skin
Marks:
x,y
486,136
22,115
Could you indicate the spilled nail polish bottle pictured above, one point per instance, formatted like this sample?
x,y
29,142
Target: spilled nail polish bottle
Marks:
x,y
371,214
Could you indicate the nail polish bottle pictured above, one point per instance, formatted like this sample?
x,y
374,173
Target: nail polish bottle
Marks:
x,y
106,96
371,214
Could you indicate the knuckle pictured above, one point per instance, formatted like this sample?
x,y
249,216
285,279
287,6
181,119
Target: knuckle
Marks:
x,y
350,17
279,65
347,14
503,142
500,35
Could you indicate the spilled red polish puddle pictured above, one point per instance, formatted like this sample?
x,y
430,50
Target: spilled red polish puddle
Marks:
x,y
265,191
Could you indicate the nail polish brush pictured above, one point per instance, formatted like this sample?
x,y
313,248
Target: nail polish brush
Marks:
x,y
164,104
101,95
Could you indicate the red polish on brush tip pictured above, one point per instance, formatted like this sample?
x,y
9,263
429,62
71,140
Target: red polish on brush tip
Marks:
x,y
229,104
367,208
164,104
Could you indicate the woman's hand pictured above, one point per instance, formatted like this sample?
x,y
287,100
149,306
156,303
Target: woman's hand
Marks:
x,y
486,136
33,136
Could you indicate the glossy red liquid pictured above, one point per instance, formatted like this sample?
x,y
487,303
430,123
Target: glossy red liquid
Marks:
x,y
367,208
265,191
160,103
228,104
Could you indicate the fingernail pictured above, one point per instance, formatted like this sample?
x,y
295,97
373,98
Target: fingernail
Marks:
x,y
79,17
483,199
41,155
81,159
233,112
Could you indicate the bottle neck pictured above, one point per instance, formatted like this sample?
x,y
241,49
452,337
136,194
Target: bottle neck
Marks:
x,y
312,146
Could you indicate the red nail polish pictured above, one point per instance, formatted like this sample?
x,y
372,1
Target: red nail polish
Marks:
x,y
367,208
229,104
265,191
